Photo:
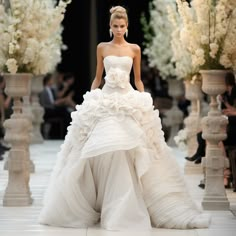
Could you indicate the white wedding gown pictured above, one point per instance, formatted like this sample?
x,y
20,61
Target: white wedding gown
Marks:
x,y
114,166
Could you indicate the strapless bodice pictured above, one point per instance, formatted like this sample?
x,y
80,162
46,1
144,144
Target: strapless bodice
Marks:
x,y
121,62
117,70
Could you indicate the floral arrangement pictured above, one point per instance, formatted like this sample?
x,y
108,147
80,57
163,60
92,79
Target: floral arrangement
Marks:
x,y
30,35
5,37
181,139
209,32
181,56
158,50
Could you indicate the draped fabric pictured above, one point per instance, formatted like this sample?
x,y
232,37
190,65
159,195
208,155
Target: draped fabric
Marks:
x,y
114,167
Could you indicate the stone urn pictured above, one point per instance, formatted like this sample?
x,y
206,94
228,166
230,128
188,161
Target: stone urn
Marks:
x,y
214,131
18,129
37,109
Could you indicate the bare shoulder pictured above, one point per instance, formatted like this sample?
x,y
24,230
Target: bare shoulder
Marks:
x,y
102,45
135,48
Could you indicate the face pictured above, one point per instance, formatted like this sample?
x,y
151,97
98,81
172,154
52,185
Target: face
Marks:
x,y
118,27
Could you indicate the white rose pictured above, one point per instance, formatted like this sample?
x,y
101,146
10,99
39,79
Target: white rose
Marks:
x,y
12,66
199,52
225,61
11,48
214,49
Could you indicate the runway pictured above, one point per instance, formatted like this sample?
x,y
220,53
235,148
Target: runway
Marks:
x,y
15,221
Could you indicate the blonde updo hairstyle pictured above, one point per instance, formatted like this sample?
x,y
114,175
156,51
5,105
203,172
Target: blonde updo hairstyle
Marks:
x,y
118,12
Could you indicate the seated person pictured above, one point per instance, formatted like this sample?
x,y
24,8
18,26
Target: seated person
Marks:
x,y
64,87
55,107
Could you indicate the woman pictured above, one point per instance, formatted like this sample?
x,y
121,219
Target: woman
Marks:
x,y
114,166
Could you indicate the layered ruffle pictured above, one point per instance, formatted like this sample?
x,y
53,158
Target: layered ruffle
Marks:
x,y
114,164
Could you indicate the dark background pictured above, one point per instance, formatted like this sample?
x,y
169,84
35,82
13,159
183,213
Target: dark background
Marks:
x,y
76,36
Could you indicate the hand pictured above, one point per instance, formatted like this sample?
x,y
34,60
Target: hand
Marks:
x,y
228,106
231,111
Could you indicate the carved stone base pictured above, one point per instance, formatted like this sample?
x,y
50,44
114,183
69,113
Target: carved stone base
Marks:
x,y
31,165
17,133
17,192
215,195
214,203
17,199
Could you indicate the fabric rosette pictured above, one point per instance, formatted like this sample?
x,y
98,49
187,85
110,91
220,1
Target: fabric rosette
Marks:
x,y
117,78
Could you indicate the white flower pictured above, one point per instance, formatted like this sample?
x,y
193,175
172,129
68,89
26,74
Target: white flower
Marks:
x,y
159,51
199,52
11,65
181,57
11,48
117,78
214,49
30,32
212,28
225,60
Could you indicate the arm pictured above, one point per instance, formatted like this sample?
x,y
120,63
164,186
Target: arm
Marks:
x,y
137,70
230,111
99,71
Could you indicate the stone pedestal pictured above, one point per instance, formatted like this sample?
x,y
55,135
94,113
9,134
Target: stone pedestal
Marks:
x,y
214,131
37,109
174,117
27,111
18,128
193,92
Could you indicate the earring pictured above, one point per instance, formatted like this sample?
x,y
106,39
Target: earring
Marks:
x,y
110,32
126,33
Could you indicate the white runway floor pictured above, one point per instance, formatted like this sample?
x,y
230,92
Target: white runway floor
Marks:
x,y
22,221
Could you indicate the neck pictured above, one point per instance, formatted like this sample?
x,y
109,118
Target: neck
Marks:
x,y
118,41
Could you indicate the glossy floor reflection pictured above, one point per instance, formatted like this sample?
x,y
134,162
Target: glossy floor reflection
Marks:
x,y
22,221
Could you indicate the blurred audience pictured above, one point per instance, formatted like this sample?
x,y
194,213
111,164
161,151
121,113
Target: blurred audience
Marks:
x,y
57,109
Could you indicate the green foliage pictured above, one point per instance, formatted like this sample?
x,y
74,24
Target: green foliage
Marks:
x,y
146,28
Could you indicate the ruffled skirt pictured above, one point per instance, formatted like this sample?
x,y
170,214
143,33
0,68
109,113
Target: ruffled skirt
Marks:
x,y
114,168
